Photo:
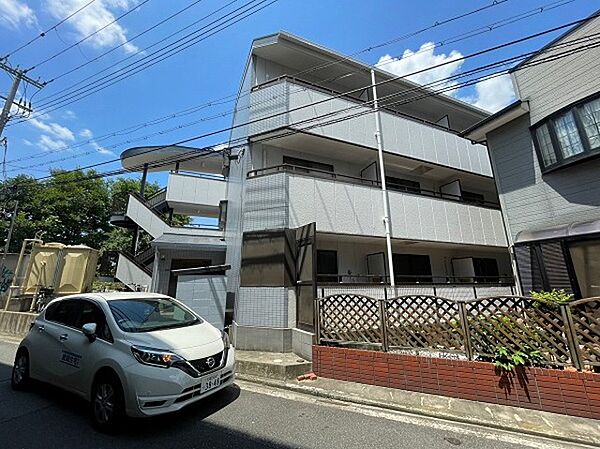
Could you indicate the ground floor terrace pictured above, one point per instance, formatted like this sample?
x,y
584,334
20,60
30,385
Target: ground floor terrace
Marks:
x,y
345,263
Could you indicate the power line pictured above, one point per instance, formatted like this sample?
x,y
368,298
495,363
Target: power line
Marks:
x,y
166,161
44,33
64,50
147,30
487,28
81,93
144,51
418,88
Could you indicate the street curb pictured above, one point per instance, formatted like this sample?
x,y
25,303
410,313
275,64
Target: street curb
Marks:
x,y
513,427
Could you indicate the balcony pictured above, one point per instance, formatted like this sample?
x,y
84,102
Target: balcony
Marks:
x,y
195,194
305,106
342,204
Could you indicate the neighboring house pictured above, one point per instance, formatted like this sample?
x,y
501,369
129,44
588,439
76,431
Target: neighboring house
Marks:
x,y
544,150
304,196
195,187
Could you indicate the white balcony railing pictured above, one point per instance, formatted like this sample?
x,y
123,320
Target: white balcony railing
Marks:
x,y
293,103
195,195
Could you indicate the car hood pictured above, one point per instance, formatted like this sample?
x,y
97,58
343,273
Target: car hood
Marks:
x,y
191,342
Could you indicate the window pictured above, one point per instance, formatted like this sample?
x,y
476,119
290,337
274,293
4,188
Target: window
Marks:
x,y
545,145
65,312
327,266
569,136
403,185
412,268
590,117
150,314
486,269
472,197
91,313
288,160
586,264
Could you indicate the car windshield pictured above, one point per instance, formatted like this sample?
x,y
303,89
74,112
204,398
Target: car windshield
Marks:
x,y
150,314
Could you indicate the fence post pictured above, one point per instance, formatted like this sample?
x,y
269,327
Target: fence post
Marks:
x,y
462,312
383,324
318,320
571,335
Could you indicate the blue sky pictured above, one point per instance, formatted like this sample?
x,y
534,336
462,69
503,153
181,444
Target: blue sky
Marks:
x,y
213,68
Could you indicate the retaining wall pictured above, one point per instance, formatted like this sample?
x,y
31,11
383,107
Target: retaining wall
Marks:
x,y
551,390
15,323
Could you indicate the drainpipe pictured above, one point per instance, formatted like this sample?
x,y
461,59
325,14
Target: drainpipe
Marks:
x,y
143,181
384,192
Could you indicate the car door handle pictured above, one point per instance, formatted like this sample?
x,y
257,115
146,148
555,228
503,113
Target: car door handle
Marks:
x,y
41,328
63,337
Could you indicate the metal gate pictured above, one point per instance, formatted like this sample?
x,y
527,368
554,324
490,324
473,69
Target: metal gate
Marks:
x,y
306,275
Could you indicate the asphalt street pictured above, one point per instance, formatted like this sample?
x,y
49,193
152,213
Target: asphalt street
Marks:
x,y
243,416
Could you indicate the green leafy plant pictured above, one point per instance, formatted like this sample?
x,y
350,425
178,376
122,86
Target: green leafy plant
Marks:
x,y
553,298
507,359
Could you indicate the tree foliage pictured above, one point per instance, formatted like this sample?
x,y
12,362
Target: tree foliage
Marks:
x,y
72,207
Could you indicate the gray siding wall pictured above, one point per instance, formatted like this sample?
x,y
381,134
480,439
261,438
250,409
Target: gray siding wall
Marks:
x,y
553,85
531,201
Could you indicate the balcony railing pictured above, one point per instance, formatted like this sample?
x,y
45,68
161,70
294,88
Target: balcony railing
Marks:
x,y
294,169
411,279
352,98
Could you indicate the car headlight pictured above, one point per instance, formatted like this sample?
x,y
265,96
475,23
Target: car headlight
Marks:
x,y
225,337
155,357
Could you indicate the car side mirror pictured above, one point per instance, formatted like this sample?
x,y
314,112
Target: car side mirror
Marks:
x,y
89,330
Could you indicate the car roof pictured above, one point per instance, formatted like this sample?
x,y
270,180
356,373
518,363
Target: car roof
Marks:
x,y
113,296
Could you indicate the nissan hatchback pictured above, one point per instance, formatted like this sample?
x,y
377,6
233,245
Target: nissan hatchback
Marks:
x,y
134,354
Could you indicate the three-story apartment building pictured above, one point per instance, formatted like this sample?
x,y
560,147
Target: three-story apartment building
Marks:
x,y
305,206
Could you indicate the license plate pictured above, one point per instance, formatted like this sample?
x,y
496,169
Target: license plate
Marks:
x,y
212,381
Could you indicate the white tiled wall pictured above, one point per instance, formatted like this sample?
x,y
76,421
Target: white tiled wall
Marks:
x,y
262,306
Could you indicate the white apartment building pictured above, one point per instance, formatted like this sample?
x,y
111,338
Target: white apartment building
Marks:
x,y
304,206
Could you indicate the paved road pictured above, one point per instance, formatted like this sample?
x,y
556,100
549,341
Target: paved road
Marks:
x,y
244,416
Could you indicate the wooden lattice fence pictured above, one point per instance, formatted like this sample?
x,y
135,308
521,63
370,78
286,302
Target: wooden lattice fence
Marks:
x,y
558,335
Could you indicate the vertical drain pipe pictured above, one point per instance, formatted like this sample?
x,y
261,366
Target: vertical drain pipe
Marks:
x,y
386,199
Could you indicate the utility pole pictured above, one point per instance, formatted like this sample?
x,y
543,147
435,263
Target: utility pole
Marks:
x,y
13,218
386,199
18,76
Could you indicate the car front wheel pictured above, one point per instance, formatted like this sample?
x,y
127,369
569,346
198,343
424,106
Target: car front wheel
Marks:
x,y
20,372
108,406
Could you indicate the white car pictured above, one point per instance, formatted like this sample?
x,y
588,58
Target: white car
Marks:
x,y
134,354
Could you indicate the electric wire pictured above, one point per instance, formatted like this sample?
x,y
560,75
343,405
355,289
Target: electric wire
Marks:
x,y
487,28
44,33
193,153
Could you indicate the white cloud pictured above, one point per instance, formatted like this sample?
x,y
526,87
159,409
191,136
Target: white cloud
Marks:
x,y
28,142
69,115
15,14
94,17
56,130
88,134
48,143
423,58
490,94
493,94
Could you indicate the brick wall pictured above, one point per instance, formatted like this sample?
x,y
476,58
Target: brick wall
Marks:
x,y
557,391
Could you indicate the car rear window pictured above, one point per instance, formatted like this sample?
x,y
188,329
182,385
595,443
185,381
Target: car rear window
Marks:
x,y
149,314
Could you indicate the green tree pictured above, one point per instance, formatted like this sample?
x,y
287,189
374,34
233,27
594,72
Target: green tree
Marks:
x,y
72,207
